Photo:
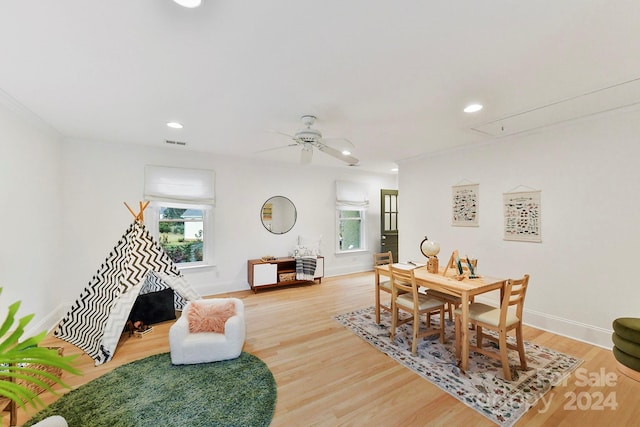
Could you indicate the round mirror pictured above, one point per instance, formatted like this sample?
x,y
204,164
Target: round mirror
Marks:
x,y
278,214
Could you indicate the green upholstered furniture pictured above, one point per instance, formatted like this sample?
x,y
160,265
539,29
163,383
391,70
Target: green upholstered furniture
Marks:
x,y
626,345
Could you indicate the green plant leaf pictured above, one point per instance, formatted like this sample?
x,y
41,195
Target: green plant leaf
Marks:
x,y
18,358
8,321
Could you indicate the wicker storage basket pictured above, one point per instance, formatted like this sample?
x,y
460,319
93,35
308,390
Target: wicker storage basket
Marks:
x,y
286,277
57,372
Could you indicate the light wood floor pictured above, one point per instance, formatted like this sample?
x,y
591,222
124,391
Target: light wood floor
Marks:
x,y
327,376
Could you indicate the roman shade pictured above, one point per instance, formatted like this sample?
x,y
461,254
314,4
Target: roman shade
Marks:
x,y
352,195
170,184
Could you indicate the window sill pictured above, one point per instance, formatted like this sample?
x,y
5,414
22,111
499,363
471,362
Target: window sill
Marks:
x,y
195,267
354,251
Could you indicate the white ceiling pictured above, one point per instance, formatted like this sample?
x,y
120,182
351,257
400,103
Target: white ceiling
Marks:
x,y
390,76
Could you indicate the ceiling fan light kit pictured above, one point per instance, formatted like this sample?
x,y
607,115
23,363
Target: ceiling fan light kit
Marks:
x,y
189,3
307,154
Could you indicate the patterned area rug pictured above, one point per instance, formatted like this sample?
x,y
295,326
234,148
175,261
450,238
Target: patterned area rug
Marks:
x,y
483,386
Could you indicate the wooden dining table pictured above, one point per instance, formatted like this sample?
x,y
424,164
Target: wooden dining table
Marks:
x,y
466,289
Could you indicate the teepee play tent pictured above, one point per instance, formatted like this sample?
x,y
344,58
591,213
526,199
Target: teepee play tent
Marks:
x,y
137,265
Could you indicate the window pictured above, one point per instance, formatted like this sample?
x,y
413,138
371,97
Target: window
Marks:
x,y
351,206
350,230
184,231
181,207
181,233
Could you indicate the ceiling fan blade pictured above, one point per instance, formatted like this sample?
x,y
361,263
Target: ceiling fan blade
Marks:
x,y
349,159
340,144
306,155
281,133
276,148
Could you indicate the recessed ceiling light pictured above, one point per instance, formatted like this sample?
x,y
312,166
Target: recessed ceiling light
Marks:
x,y
346,152
472,108
175,125
189,3
394,169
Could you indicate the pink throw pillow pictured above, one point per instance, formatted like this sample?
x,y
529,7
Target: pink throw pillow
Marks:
x,y
209,318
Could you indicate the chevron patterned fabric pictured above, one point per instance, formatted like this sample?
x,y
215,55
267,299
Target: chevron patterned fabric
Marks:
x,y
137,264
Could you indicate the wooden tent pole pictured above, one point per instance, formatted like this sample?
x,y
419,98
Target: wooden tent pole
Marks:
x,y
131,210
142,208
140,215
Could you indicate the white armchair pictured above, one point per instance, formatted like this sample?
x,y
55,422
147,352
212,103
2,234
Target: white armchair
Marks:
x,y
52,421
202,347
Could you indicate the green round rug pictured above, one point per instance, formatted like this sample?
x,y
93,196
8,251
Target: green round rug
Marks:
x,y
152,392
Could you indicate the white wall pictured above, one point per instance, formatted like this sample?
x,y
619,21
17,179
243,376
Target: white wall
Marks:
x,y
583,273
99,178
30,215
71,196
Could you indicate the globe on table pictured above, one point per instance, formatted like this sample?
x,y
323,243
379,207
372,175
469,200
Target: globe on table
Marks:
x,y
429,248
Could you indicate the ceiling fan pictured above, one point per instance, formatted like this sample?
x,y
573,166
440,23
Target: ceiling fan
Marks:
x,y
309,138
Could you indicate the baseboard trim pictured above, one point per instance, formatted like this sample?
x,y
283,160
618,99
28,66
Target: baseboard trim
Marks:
x,y
221,288
578,331
569,328
350,269
48,322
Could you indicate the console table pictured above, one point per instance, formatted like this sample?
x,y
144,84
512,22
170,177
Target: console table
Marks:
x,y
278,272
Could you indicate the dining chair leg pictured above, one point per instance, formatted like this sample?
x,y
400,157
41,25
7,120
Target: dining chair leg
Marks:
x,y
479,336
416,329
377,304
442,325
506,369
394,320
458,325
520,341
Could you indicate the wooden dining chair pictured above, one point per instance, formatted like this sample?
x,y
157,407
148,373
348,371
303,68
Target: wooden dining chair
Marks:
x,y
382,258
415,303
451,302
501,320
